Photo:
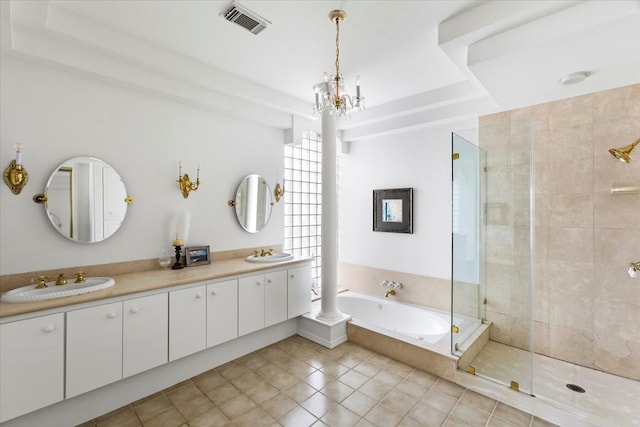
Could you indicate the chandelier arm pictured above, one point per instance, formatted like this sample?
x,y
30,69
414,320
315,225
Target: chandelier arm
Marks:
x,y
337,78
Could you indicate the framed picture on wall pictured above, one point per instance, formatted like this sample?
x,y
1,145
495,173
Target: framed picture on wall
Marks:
x,y
393,210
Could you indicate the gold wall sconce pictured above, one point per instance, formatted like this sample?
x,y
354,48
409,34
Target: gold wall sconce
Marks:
x,y
278,191
623,153
186,185
15,175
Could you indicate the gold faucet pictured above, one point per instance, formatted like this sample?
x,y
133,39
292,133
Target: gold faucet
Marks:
x,y
61,280
79,276
41,281
391,292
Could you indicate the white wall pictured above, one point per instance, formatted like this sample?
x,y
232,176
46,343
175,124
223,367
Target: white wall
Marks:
x,y
420,159
58,113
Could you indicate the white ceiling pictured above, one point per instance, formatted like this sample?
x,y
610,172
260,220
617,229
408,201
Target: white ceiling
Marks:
x,y
421,63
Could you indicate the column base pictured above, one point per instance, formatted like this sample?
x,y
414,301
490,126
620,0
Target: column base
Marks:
x,y
327,333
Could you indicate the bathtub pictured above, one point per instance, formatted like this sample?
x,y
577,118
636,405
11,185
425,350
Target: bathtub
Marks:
x,y
415,335
413,324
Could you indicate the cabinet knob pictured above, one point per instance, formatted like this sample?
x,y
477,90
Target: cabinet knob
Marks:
x,y
111,315
198,296
268,280
258,283
293,276
134,310
214,292
48,329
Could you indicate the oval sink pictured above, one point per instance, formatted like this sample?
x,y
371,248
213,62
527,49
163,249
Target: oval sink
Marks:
x,y
30,293
278,257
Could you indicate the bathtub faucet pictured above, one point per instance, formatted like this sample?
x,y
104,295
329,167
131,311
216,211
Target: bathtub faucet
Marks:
x,y
391,292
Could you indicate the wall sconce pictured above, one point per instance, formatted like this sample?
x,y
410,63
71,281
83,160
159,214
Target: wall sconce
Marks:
x,y
15,175
186,185
634,267
278,191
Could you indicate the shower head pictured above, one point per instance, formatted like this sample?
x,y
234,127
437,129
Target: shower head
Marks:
x,y
622,153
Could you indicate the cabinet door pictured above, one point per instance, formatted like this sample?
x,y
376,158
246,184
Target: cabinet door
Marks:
x,y
187,322
31,365
275,297
222,312
299,291
250,304
145,333
94,348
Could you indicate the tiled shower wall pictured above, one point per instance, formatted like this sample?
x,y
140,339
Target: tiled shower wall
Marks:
x,y
586,307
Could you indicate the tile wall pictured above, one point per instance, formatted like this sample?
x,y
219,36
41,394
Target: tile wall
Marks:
x,y
586,307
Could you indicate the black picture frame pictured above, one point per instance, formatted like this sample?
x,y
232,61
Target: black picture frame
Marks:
x,y
197,255
393,210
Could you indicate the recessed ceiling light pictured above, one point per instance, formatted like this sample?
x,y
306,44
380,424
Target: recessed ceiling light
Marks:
x,y
573,78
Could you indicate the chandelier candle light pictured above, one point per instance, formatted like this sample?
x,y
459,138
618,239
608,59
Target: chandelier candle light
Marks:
x,y
330,93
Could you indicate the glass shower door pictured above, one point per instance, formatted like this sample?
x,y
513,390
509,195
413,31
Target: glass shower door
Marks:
x,y
467,238
493,218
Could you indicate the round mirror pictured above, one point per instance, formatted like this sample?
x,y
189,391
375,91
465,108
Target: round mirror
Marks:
x,y
85,200
253,203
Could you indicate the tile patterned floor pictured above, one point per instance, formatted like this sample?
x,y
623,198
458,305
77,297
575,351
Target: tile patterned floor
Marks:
x,y
295,383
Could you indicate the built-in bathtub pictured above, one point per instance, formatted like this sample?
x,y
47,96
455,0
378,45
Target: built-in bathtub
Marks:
x,y
418,336
413,324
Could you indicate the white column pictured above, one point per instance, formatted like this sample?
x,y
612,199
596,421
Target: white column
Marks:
x,y
329,309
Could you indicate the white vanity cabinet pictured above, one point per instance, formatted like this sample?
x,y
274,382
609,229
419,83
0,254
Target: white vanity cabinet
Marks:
x,y
31,364
94,348
42,363
298,291
145,337
275,297
250,304
187,321
262,301
222,312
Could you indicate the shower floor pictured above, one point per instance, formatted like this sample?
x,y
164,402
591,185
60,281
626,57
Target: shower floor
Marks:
x,y
608,400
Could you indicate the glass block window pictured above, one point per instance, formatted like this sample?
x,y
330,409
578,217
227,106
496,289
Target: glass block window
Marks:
x,y
303,200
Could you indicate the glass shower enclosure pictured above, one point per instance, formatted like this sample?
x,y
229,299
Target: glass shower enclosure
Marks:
x,y
492,268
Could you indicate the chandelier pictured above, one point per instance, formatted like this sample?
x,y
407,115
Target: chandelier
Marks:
x,y
330,93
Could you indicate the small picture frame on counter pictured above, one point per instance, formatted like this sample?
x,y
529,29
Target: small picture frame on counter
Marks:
x,y
197,255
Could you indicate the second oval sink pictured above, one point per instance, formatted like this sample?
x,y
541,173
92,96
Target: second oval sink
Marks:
x,y
278,257
30,293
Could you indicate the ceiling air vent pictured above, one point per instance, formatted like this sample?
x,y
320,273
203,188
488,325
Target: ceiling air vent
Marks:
x,y
247,19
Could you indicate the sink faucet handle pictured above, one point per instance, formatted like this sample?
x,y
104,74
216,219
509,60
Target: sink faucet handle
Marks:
x,y
41,281
270,251
255,253
61,280
79,276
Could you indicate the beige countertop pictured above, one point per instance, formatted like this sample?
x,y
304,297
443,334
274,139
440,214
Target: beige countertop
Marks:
x,y
132,283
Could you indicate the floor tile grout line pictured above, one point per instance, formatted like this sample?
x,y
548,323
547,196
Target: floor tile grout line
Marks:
x,y
325,358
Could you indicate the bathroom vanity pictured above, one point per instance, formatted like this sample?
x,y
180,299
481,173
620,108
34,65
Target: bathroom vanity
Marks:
x,y
67,360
